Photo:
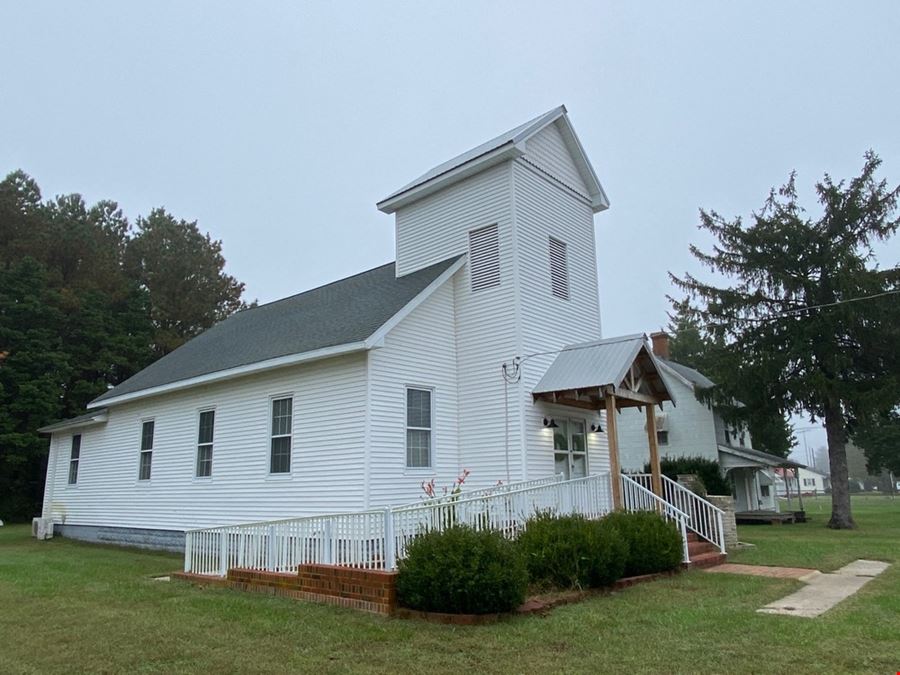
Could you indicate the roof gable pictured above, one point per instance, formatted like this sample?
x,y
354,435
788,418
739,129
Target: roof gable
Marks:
x,y
352,312
506,146
603,363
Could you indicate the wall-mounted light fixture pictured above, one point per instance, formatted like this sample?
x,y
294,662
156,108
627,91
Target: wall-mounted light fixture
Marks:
x,y
596,428
550,423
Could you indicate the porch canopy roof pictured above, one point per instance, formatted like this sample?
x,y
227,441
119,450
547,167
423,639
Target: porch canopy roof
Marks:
x,y
584,375
735,458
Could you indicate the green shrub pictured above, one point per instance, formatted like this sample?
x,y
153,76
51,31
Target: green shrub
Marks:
x,y
654,545
461,571
572,552
707,470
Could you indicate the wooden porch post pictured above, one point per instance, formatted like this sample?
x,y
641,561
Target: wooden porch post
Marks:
x,y
613,436
655,472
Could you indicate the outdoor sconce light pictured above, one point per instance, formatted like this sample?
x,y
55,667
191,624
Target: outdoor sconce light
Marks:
x,y
550,423
596,428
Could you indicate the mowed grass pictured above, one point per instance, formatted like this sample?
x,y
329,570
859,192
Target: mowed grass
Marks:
x,y
70,607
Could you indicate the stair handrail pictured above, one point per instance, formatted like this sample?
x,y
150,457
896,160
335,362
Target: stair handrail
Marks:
x,y
636,497
706,519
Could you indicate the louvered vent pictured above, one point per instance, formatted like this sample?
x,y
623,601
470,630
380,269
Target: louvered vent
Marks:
x,y
559,269
484,257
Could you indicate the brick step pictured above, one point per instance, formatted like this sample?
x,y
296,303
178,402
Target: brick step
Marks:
x,y
693,536
707,559
698,547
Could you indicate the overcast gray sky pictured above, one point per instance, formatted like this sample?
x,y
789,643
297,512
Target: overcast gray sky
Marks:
x,y
278,126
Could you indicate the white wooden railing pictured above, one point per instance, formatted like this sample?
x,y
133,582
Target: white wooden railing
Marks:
x,y
376,539
705,519
636,497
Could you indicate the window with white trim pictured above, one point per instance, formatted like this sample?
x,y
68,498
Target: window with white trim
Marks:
x,y
205,443
282,426
147,429
662,437
418,428
559,269
484,257
74,459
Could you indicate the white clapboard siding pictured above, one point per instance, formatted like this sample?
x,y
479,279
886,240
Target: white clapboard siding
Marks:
x,y
434,229
691,426
548,151
545,209
327,457
419,352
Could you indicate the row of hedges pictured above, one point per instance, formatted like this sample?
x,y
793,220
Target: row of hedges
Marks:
x,y
463,571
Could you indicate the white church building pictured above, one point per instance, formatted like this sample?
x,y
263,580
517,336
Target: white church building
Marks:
x,y
478,349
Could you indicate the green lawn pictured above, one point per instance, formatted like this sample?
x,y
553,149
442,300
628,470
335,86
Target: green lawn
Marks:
x,y
69,607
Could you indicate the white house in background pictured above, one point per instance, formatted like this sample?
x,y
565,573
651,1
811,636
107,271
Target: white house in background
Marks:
x,y
800,480
694,428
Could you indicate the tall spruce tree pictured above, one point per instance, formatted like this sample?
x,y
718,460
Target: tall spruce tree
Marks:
x,y
806,304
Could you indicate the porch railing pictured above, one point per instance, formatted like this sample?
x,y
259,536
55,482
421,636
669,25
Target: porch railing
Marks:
x,y
376,539
706,519
636,497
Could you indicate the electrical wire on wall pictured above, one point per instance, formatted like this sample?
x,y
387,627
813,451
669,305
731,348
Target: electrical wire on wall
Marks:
x,y
511,375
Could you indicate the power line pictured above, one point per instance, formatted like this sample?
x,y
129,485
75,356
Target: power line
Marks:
x,y
511,372
801,310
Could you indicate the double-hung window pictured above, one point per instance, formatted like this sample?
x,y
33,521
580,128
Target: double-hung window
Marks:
x,y
147,429
280,454
74,459
418,428
205,443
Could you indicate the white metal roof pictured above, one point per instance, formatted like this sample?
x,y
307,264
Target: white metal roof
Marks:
x,y
503,147
595,364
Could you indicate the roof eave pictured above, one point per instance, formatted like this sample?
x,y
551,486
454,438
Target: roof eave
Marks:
x,y
231,373
99,418
599,200
505,152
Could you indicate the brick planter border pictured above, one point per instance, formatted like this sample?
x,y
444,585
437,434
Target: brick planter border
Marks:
x,y
375,591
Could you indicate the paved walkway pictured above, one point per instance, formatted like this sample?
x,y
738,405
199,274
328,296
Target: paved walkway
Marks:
x,y
764,571
822,591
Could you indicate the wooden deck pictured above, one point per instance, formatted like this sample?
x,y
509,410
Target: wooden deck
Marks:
x,y
766,517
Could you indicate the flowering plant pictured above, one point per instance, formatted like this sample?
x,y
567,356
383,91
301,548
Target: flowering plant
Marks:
x,y
429,488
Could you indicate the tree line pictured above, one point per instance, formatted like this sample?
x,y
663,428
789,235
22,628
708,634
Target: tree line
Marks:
x,y
800,317
87,299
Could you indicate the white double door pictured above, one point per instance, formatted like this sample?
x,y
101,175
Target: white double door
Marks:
x,y
570,448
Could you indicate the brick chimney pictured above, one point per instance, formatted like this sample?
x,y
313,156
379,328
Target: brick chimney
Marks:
x,y
660,344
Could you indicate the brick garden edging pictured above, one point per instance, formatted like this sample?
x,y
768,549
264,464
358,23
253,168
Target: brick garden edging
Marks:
x,y
367,590
376,591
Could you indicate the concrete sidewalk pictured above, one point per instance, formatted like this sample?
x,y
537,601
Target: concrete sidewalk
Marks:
x,y
824,591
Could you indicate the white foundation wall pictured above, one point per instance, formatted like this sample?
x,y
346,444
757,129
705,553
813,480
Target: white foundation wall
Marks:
x,y
327,459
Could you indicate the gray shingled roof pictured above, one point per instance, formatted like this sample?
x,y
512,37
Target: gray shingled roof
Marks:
x,y
760,456
510,137
342,312
694,376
